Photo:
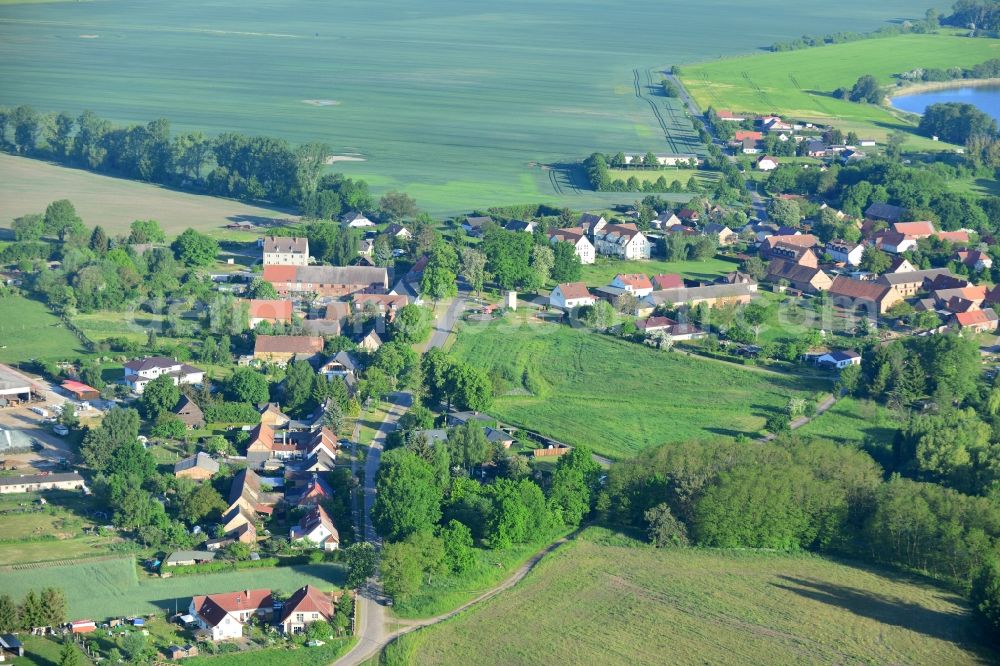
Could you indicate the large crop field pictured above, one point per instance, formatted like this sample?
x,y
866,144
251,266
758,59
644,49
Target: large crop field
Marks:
x,y
605,599
29,330
110,588
28,186
799,83
457,103
619,397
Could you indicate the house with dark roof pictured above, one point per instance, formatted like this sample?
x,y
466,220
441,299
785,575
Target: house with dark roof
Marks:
x,y
871,296
476,225
885,212
355,220
140,372
712,295
908,284
839,359
286,251
186,558
199,467
331,281
188,411
807,279
29,483
591,223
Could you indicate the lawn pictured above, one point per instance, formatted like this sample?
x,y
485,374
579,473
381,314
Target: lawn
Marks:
x,y
132,325
606,599
114,203
620,397
28,329
602,272
457,104
111,587
799,84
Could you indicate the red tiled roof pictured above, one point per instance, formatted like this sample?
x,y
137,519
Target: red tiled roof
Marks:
x,y
865,290
635,280
279,273
214,607
271,309
954,236
974,317
922,228
78,387
668,281
573,290
288,344
308,599
801,240
654,322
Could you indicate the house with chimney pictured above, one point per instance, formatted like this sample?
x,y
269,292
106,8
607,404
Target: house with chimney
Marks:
x,y
306,605
224,615
577,237
140,372
317,528
624,241
330,281
285,251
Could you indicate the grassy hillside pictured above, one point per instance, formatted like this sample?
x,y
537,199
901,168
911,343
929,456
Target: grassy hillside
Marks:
x,y
454,102
28,186
110,588
619,397
604,599
799,83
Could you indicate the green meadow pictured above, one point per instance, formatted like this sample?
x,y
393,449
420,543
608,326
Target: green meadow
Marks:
x,y
607,599
29,330
457,103
620,397
112,588
799,84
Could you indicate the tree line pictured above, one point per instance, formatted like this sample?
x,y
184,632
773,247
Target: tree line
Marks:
x,y
45,608
979,15
932,21
252,168
815,496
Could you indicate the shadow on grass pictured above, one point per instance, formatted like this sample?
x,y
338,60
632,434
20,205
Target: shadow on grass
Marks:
x,y
894,611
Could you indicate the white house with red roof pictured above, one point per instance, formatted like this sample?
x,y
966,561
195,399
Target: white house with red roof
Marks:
x,y
306,605
577,237
571,295
224,615
637,284
316,527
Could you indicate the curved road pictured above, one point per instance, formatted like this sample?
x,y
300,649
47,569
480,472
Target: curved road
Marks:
x,y
371,630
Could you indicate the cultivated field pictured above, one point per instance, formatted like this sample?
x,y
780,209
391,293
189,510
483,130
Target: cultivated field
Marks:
x,y
452,102
28,186
606,599
799,84
619,397
29,330
112,588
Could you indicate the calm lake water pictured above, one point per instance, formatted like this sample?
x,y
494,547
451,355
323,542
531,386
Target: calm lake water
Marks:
x,y
987,98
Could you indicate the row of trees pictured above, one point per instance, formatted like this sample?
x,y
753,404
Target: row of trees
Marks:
x,y
46,608
597,168
932,20
232,164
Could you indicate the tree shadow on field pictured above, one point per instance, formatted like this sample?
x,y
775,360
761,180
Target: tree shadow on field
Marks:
x,y
894,611
726,432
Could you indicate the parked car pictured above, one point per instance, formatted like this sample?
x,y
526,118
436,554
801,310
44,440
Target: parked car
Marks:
x,y
60,429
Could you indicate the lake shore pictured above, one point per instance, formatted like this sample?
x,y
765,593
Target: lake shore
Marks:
x,y
930,86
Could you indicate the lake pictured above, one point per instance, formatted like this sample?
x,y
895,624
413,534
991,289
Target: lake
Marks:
x,y
986,98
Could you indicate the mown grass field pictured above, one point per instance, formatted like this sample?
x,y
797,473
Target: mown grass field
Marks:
x,y
606,599
799,84
619,397
453,102
604,270
112,588
28,186
29,330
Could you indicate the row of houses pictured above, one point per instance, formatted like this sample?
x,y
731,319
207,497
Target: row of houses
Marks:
x,y
594,235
